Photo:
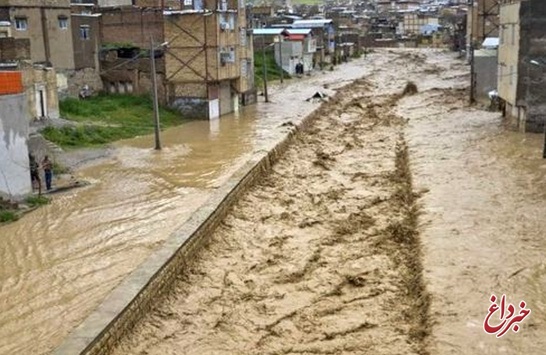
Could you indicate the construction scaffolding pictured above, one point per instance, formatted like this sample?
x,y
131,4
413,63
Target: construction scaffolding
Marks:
x,y
483,22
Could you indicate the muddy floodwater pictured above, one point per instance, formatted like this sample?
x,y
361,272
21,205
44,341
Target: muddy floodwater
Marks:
x,y
60,261
385,229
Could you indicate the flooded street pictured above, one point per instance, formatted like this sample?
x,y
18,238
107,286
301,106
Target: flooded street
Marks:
x,y
384,229
344,250
60,261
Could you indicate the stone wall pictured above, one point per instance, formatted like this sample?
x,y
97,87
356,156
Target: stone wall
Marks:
x,y
40,84
14,164
78,79
134,297
533,50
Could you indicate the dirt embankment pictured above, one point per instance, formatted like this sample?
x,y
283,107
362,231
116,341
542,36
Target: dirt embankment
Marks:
x,y
322,257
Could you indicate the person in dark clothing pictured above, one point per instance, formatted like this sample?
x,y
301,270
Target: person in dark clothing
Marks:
x,y
34,174
48,171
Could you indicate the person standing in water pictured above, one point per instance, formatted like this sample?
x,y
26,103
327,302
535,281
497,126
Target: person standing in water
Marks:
x,y
47,165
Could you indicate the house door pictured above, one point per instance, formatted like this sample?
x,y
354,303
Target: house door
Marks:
x,y
41,102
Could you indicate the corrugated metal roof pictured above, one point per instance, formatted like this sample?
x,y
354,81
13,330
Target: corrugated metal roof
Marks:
x,y
267,31
311,23
491,42
292,37
299,31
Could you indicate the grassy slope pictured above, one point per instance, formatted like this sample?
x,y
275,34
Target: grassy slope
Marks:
x,y
273,70
107,118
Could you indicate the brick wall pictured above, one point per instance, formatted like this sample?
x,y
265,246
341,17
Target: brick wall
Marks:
x,y
132,25
12,49
86,50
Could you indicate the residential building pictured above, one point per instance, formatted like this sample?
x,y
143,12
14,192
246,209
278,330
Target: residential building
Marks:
x,y
413,22
59,39
86,42
298,46
522,64
39,81
47,25
14,162
208,66
131,26
324,34
258,16
408,5
203,54
482,21
125,35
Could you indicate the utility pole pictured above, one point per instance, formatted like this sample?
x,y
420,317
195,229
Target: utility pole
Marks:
x,y
472,75
280,55
154,92
264,69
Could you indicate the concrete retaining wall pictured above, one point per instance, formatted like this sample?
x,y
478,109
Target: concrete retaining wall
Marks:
x,y
14,163
134,297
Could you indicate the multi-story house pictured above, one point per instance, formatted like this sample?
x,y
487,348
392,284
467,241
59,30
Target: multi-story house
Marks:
x,y
324,33
522,63
208,66
39,81
413,22
58,40
297,47
482,21
204,56
46,23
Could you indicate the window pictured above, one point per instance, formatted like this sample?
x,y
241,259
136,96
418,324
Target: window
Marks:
x,y
188,2
231,21
227,55
223,5
513,34
21,24
511,74
63,22
85,32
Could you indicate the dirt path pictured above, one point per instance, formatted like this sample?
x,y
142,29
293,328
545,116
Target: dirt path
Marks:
x,y
321,257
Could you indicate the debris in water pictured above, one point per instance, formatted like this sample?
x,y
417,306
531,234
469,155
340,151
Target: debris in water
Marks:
x,y
410,89
318,97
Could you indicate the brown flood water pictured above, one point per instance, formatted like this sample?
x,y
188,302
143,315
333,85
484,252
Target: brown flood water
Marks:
x,y
60,261
482,224
300,264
